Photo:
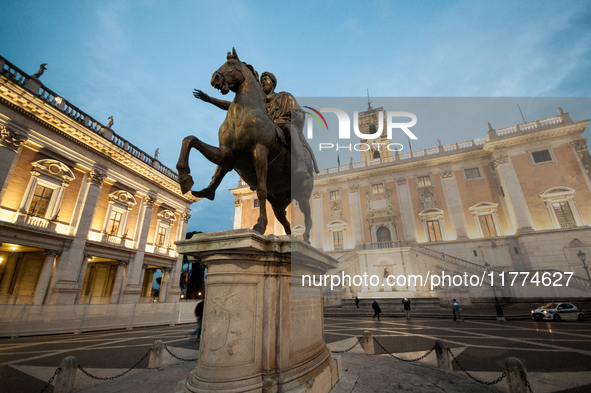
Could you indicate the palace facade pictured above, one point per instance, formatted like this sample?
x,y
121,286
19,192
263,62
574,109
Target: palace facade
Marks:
x,y
86,217
516,199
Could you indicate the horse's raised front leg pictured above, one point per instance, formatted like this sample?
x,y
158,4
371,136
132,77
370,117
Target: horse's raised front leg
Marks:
x,y
260,155
212,153
209,191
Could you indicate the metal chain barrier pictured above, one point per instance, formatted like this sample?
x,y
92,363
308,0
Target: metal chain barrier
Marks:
x,y
347,350
527,382
116,376
401,359
499,379
57,371
179,358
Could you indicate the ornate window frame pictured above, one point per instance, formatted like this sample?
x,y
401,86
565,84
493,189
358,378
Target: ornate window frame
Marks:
x,y
485,209
337,226
433,214
51,174
561,194
165,219
120,202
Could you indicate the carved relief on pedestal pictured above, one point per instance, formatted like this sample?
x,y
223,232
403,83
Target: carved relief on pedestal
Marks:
x,y
10,139
224,310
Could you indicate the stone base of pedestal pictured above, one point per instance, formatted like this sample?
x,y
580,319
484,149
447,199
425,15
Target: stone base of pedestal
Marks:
x,y
263,331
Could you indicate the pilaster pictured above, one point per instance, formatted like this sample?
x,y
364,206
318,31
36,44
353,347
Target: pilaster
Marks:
x,y
72,265
355,211
318,220
454,204
133,289
10,150
406,209
514,198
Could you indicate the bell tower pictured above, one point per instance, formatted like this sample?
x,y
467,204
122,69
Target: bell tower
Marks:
x,y
369,124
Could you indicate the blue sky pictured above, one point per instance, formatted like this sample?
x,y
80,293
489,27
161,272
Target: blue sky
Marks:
x,y
140,60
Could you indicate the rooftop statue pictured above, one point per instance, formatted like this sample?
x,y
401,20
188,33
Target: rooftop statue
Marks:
x,y
260,141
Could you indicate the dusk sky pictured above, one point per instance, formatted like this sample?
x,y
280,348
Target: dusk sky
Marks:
x,y
140,61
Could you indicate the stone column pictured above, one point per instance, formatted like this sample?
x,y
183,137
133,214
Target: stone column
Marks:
x,y
164,284
66,289
10,149
174,294
406,209
122,265
133,289
8,273
356,220
44,277
82,276
514,198
237,213
318,227
454,203
149,273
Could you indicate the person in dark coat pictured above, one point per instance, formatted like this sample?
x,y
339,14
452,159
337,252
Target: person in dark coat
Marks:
x,y
376,309
457,310
199,315
357,301
406,302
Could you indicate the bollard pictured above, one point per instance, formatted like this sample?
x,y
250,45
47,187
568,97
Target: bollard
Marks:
x,y
443,356
368,347
516,377
155,359
64,381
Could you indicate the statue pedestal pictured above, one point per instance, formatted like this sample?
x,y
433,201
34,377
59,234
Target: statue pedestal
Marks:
x,y
262,330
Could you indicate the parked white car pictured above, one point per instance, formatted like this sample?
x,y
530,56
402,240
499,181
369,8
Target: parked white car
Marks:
x,y
558,311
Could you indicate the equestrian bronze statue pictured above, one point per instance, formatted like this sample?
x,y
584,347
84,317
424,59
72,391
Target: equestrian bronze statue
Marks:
x,y
259,148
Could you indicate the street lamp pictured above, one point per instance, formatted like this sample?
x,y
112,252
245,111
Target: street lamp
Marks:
x,y
583,257
498,307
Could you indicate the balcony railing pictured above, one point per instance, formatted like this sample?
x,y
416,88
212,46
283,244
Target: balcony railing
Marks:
x,y
10,71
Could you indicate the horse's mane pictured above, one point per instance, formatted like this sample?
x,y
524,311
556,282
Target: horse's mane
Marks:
x,y
253,71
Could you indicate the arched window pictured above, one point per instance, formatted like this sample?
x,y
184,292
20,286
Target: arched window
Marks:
x,y
383,235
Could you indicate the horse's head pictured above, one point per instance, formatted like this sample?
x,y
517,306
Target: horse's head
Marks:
x,y
230,75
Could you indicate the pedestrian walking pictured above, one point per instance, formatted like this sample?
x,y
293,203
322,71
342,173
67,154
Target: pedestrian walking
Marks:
x,y
376,309
456,308
199,315
406,302
357,301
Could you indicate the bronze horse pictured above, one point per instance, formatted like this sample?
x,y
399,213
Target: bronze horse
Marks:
x,y
251,144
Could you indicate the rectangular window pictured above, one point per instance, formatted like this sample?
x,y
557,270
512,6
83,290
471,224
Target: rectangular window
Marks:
x,y
434,231
334,195
40,201
541,156
377,189
161,236
564,215
424,181
114,222
472,173
256,203
338,240
488,226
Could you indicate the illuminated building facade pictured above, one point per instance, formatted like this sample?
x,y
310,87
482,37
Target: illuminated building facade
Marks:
x,y
85,216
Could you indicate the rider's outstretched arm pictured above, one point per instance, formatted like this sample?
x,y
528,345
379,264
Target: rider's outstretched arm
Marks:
x,y
222,104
